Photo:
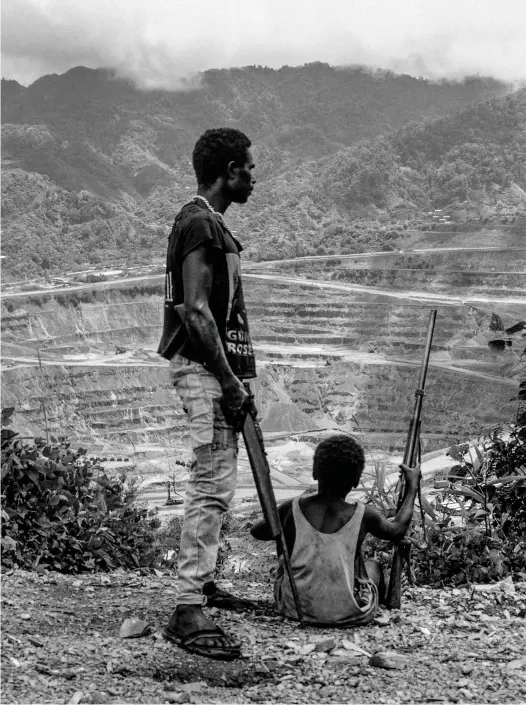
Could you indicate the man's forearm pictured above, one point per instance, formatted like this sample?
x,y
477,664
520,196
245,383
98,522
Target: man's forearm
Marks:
x,y
203,333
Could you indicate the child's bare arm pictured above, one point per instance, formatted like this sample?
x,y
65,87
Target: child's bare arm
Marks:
x,y
395,529
260,529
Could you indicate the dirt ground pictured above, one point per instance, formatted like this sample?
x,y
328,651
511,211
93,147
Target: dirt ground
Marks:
x,y
61,644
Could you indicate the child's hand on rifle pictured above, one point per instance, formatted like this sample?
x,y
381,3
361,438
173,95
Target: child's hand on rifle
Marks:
x,y
412,475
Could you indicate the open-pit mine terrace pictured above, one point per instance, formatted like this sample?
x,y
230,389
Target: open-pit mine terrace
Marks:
x,y
338,340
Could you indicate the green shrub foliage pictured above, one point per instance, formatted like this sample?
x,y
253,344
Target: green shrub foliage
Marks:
x,y
483,538
62,512
476,525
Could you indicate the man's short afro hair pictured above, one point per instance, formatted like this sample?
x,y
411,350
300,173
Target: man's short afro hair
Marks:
x,y
214,150
339,460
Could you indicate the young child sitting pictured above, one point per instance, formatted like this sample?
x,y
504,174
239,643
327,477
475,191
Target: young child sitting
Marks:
x,y
324,535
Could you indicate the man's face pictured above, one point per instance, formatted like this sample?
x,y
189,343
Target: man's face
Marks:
x,y
241,180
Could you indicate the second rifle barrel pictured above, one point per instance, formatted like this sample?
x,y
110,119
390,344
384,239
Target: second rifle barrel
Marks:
x,y
409,455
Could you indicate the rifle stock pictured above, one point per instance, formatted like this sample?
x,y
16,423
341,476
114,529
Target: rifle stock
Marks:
x,y
394,591
257,456
402,550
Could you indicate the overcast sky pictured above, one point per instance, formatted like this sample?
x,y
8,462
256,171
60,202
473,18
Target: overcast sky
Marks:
x,y
159,42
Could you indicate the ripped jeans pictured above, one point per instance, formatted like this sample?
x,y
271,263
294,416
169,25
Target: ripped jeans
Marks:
x,y
212,481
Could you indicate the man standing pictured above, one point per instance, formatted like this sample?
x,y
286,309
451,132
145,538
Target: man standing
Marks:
x,y
207,340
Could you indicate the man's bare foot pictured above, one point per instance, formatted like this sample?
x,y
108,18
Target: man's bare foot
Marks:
x,y
191,629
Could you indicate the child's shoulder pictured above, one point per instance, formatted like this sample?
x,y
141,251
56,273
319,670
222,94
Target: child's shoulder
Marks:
x,y
370,520
285,509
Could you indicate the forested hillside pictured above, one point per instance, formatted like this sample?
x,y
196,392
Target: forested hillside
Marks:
x,y
471,165
94,169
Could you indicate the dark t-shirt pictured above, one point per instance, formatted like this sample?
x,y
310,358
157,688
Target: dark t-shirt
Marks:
x,y
195,226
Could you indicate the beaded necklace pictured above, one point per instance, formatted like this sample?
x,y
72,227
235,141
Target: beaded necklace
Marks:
x,y
214,212
207,204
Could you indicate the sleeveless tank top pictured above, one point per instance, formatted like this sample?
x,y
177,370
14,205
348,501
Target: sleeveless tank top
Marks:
x,y
324,568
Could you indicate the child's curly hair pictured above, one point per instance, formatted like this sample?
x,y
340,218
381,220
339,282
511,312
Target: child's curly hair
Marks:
x,y
339,460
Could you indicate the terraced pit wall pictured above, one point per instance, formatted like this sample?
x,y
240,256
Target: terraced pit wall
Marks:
x,y
327,358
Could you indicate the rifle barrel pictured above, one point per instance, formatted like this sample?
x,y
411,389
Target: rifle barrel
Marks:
x,y
414,428
394,593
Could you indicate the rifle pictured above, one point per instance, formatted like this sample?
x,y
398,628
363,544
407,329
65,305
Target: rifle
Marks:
x,y
257,456
402,550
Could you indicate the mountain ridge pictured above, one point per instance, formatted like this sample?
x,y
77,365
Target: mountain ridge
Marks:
x,y
100,167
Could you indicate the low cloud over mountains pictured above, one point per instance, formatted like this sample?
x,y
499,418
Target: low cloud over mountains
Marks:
x,y
163,43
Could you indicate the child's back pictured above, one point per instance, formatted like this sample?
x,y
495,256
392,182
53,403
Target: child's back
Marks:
x,y
325,559
324,536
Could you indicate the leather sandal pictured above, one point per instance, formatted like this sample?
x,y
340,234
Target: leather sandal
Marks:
x,y
188,642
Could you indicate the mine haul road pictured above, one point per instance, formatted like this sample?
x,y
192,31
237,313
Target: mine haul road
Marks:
x,y
422,296
393,253
25,361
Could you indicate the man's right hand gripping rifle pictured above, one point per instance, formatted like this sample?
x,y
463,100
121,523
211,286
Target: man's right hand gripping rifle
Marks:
x,y
237,402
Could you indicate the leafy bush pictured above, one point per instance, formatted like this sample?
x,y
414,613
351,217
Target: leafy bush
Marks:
x,y
459,555
61,511
384,497
168,540
476,527
483,537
